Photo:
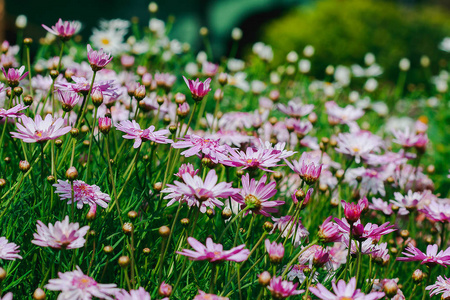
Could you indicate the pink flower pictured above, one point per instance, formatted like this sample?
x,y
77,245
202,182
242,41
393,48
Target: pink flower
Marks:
x,y
289,227
209,68
329,232
204,296
8,251
253,159
255,195
165,80
12,112
210,148
214,252
308,167
431,257
40,130
198,88
408,202
296,109
352,211
346,115
139,294
275,251
379,204
14,76
8,296
442,285
305,200
437,211
186,168
133,131
359,145
76,285
104,124
195,191
82,85
281,289
65,30
361,232
344,291
406,138
83,193
98,59
68,99
63,235
381,255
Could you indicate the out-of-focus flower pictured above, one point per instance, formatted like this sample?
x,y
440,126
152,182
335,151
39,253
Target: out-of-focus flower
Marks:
x,y
64,29
76,285
407,202
359,145
442,284
98,59
63,235
344,291
204,296
38,130
437,211
8,251
14,76
275,251
281,289
379,204
210,148
214,252
134,132
290,227
12,112
83,193
296,109
139,294
432,257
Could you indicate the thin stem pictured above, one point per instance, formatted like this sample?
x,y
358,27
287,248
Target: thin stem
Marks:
x,y
90,144
349,250
190,118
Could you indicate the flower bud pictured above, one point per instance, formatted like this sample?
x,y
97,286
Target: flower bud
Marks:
x,y
268,226
127,228
74,132
173,129
226,213
18,91
104,125
184,222
165,290
146,251
140,93
2,274
72,173
2,183
204,31
417,276
164,231
124,261
223,79
39,294
28,100
108,249
277,175
97,97
147,79
390,288
90,216
264,278
24,166
132,215
54,74
58,143
51,179
157,186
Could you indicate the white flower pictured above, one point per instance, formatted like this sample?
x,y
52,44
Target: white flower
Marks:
x,y
235,65
109,40
445,44
236,34
369,59
292,57
308,51
158,27
371,85
21,21
404,64
304,65
342,75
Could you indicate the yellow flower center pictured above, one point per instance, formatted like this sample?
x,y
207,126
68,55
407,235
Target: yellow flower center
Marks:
x,y
105,41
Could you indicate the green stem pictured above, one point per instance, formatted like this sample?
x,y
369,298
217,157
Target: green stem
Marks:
x,y
90,144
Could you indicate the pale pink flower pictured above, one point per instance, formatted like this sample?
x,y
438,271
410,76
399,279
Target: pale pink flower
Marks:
x,y
295,108
344,291
200,146
14,76
359,145
13,112
214,252
281,289
63,235
134,132
407,202
290,227
8,251
186,168
307,167
442,285
431,257
38,130
139,294
329,231
83,193
68,99
65,30
253,159
204,296
339,115
275,251
98,59
437,211
76,285
379,204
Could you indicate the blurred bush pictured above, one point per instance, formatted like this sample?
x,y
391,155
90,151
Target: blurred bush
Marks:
x,y
343,31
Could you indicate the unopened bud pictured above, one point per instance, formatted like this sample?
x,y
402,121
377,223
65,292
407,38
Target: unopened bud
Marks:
x,y
24,166
84,129
28,100
157,186
146,251
74,132
184,222
132,215
268,226
165,290
277,175
264,278
223,79
124,261
140,92
108,249
51,179
417,276
39,294
127,228
164,231
2,183
226,213
18,91
2,274
54,74
97,97
390,288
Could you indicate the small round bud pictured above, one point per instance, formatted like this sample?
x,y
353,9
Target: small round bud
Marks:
x,y
334,202
2,274
173,128
268,226
160,100
333,142
127,228
104,125
24,166
264,278
404,233
92,232
97,97
39,294
340,173
431,169
146,251
226,213
394,250
390,288
180,98
140,93
312,117
203,31
417,276
51,179
7,160
164,231
132,215
240,172
90,216
300,195
108,249
323,187
58,143
18,91
2,183
28,100
54,74
74,132
145,157
184,222
390,179
124,261
84,129
273,120
277,176
210,213
28,41
307,271
86,143
153,7
157,186
223,79
165,290
166,119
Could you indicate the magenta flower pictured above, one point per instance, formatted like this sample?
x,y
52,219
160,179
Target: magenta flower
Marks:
x,y
40,130
204,296
255,195
281,289
195,191
329,232
186,168
63,235
308,167
210,148
296,109
214,252
275,251
437,211
139,294
8,251
359,145
82,85
352,211
83,193
381,253
408,202
104,124
165,80
98,59
253,159
344,291
68,99
133,131
65,30
198,88
431,257
361,232
14,76
76,285
442,285
12,112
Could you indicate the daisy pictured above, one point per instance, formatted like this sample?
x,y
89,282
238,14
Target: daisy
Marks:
x,y
359,145
210,148
65,30
13,112
275,251
296,109
214,252
139,294
431,257
281,289
63,235
8,251
252,159
254,196
344,291
198,88
204,296
98,59
307,167
437,211
442,285
290,228
38,130
83,193
14,76
76,285
133,131
408,202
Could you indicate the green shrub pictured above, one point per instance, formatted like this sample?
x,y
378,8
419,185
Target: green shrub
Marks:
x,y
343,31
